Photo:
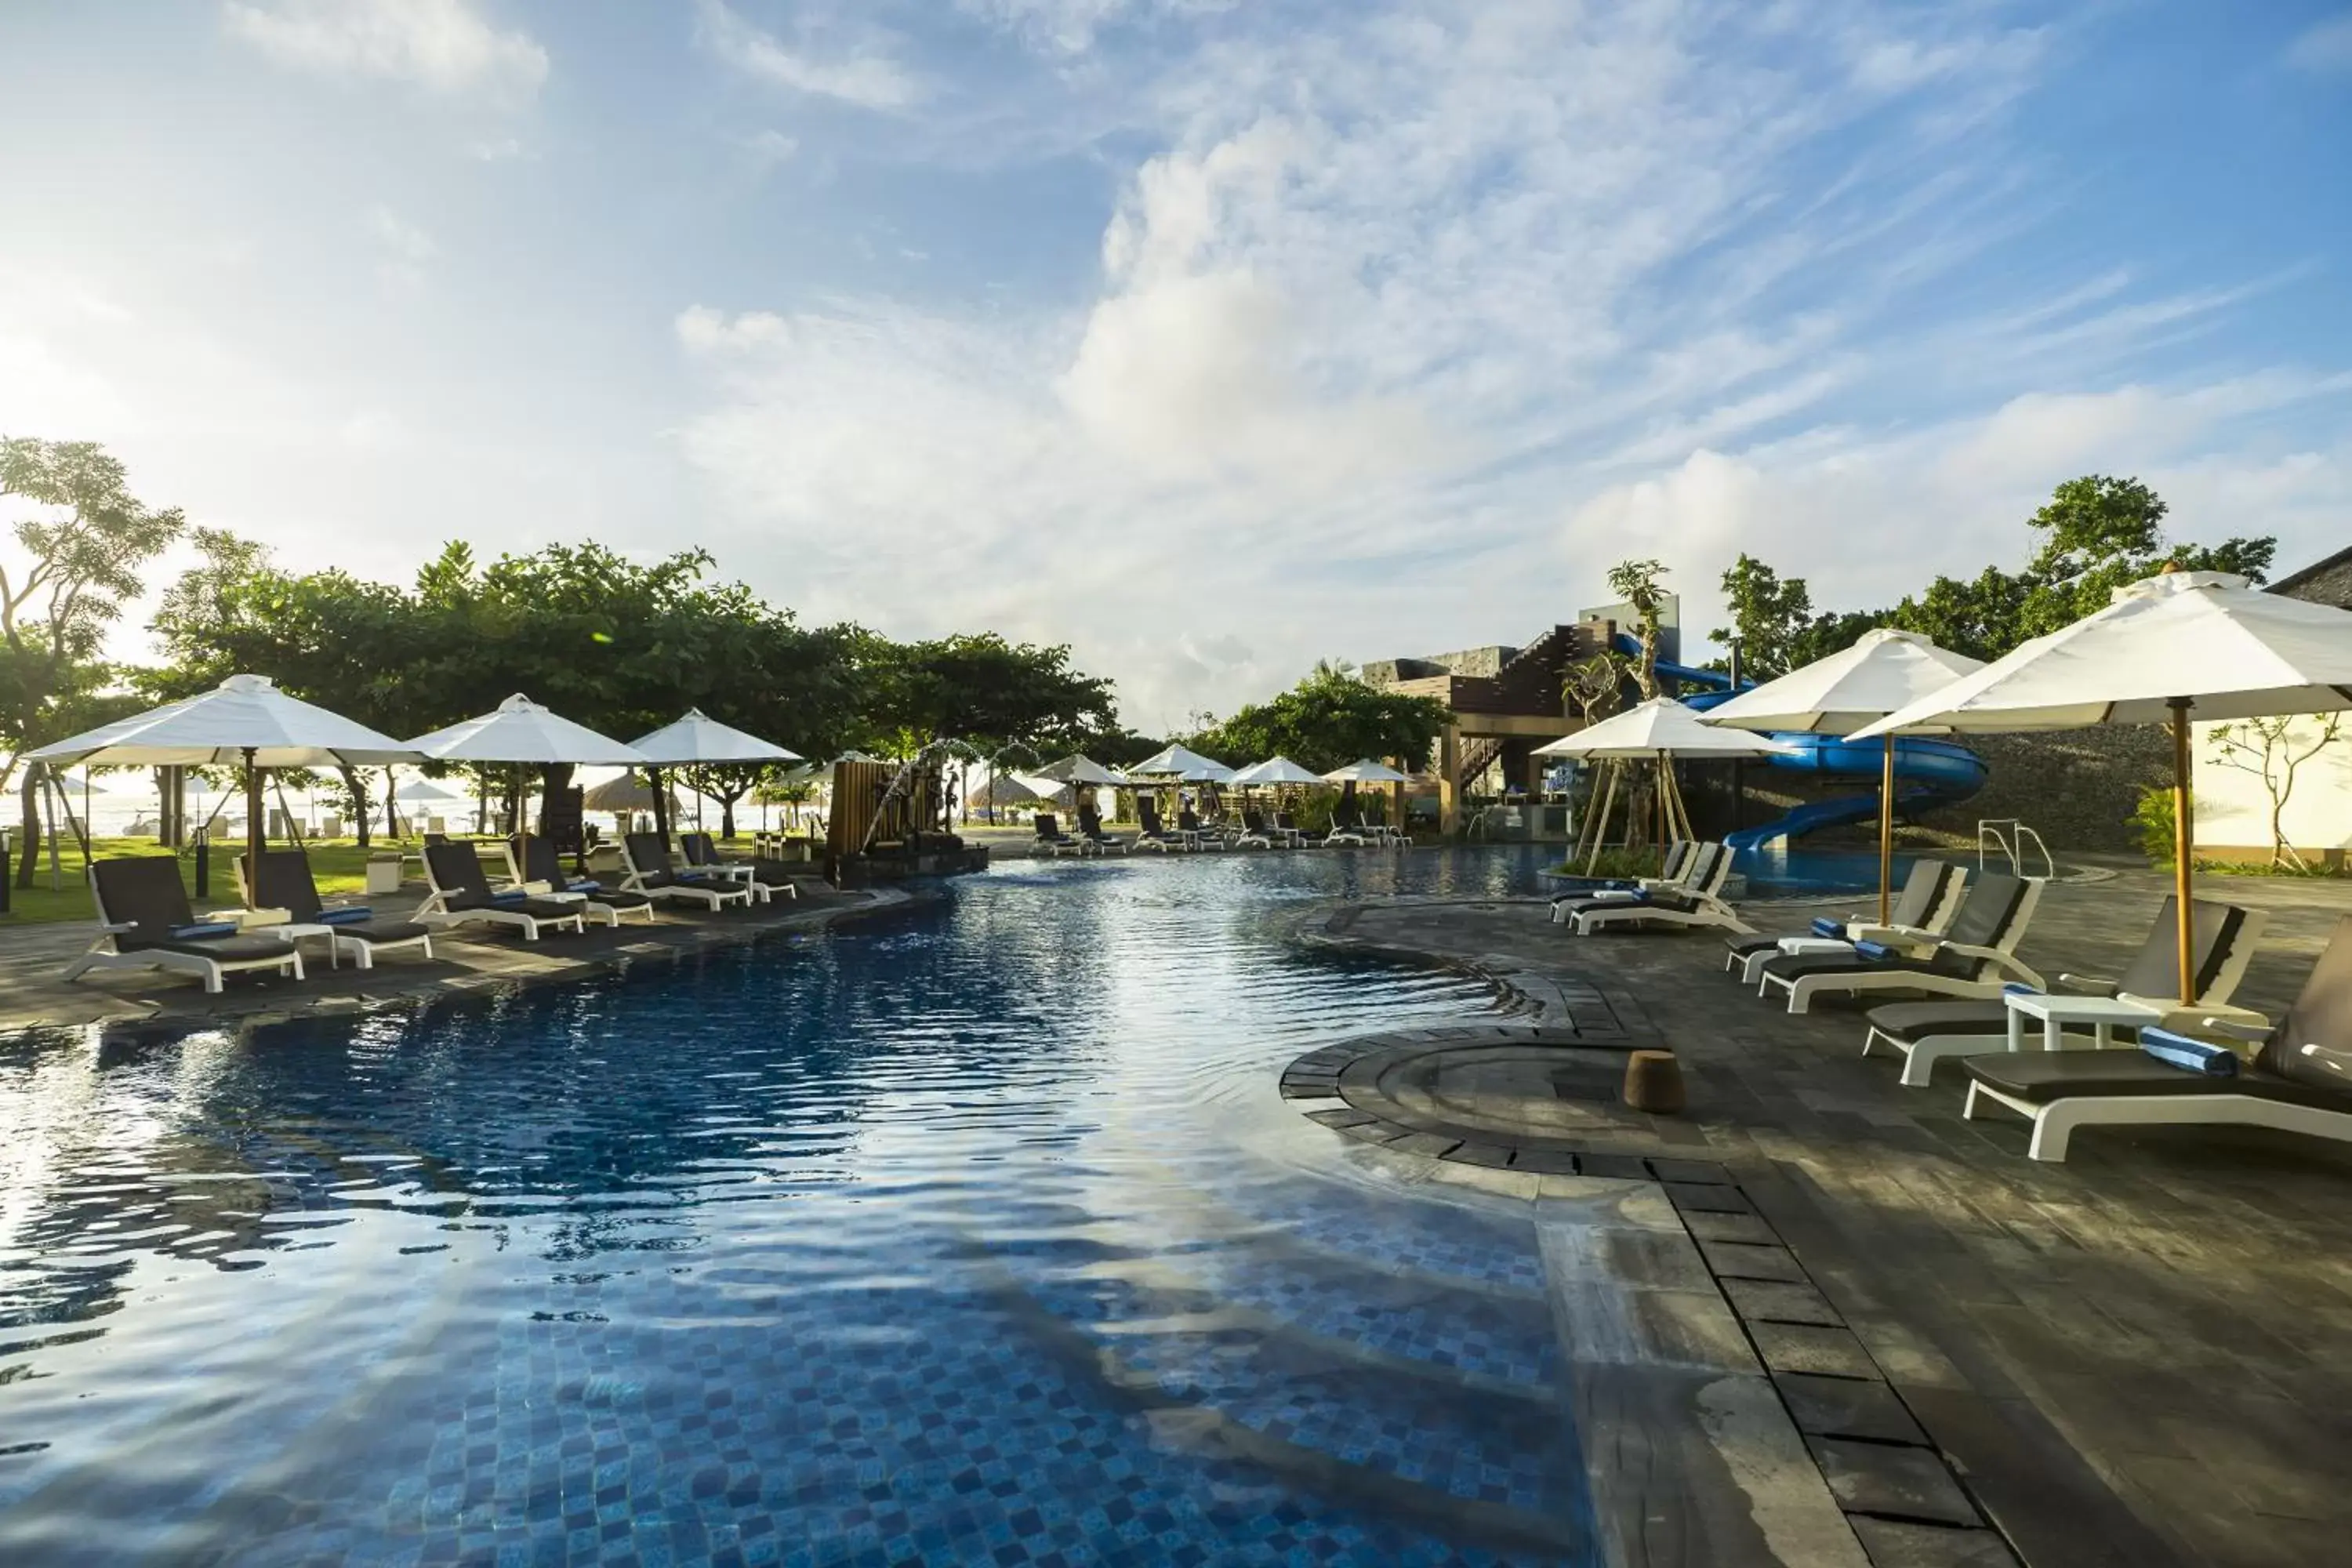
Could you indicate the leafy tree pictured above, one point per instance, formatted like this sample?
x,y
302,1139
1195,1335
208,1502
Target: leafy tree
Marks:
x,y
1641,584
2274,750
85,545
1327,721
2096,534
1769,615
983,690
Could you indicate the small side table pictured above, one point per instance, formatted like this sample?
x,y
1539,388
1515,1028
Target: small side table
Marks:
x,y
1815,944
2104,1014
291,934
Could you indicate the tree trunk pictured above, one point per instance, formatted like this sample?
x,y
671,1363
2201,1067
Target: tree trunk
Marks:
x,y
391,807
727,817
661,801
355,783
28,848
558,779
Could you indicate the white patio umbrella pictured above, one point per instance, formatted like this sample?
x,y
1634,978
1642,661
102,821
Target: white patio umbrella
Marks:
x,y
697,737
521,731
1659,730
1366,771
1079,769
1884,670
245,721
2171,649
1275,771
1184,764
425,789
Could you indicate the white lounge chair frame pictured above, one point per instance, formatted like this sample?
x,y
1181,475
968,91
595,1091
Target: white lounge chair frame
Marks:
x,y
435,911
1711,909
1920,1055
2005,968
1921,938
102,954
636,880
2055,1120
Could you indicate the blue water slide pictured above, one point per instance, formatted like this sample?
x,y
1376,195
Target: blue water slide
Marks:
x,y
1928,773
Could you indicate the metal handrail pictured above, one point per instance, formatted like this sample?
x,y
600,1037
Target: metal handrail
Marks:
x,y
2012,845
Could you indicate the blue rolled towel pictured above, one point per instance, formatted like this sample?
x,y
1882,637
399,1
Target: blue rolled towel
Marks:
x,y
2190,1055
511,896
1824,926
1873,951
584,887
2020,988
358,915
204,931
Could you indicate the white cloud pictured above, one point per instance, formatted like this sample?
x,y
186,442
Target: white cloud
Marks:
x,y
768,148
2324,46
1398,295
863,73
403,241
442,46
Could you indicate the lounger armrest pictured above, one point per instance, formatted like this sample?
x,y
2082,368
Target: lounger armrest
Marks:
x,y
2089,984
2252,1033
1998,960
1889,936
114,928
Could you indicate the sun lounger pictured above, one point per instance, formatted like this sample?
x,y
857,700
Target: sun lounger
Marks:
x,y
2146,996
144,921
462,895
285,882
1300,838
1919,914
765,877
645,856
2300,1080
1091,834
1976,958
1680,857
1198,834
1257,834
1698,901
1347,823
1151,835
542,870
1050,840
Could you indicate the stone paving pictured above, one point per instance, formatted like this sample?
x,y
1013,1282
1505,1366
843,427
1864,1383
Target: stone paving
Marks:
x,y
2132,1358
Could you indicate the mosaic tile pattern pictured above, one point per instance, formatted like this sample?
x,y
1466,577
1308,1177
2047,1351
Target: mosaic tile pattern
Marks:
x,y
925,1244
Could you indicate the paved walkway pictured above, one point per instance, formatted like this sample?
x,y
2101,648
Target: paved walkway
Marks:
x,y
2134,1358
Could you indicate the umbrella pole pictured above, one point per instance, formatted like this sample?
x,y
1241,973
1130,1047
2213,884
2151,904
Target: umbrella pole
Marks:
x,y
2184,850
1887,830
257,836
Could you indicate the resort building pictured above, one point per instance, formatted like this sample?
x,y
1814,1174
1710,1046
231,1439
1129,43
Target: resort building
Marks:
x,y
2235,799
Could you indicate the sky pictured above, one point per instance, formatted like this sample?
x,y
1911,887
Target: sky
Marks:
x,y
1211,336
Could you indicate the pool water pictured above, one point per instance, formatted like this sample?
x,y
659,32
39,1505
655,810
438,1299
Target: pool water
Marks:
x,y
976,1233
1777,871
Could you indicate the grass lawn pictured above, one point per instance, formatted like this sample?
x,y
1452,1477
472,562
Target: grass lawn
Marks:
x,y
338,865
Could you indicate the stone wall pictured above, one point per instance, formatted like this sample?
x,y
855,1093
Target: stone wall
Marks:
x,y
2077,788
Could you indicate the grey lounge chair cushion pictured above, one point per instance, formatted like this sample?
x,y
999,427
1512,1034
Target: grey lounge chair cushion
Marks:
x,y
2039,1077
219,949
385,930
1909,1021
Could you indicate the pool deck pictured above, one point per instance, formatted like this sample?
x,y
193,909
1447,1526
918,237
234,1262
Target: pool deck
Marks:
x,y
465,958
2133,1358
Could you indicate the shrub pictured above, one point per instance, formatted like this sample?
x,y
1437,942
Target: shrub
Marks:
x,y
2151,824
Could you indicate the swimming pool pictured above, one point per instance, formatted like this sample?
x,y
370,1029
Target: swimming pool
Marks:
x,y
976,1234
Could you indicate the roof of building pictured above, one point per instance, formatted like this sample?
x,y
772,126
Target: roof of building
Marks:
x,y
2328,582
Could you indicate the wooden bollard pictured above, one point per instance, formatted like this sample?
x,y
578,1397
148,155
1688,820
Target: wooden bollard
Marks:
x,y
1653,1083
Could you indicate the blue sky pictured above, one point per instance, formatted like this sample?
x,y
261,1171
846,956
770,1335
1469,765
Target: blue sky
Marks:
x,y
1212,337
